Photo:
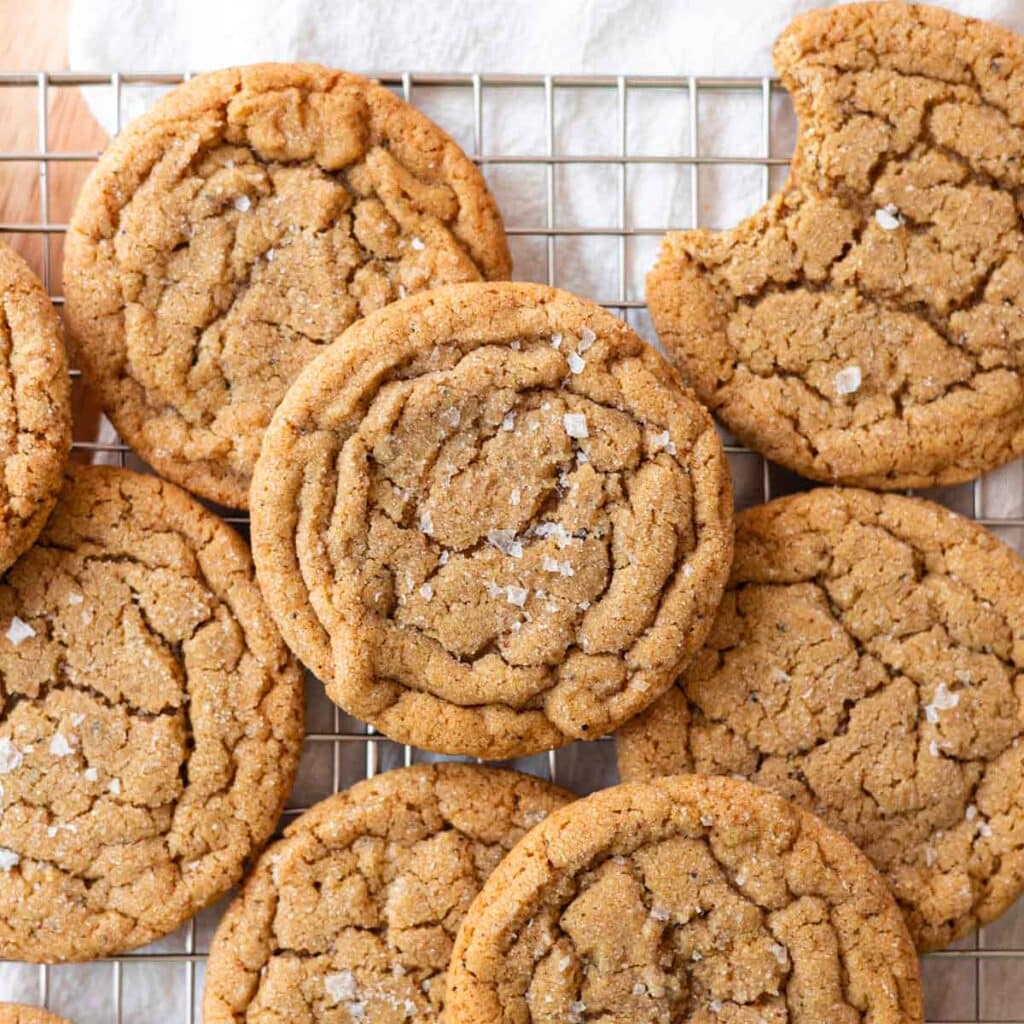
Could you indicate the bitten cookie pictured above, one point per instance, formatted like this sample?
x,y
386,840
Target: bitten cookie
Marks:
x,y
35,406
239,227
16,1013
150,720
867,325
492,520
353,914
684,899
868,663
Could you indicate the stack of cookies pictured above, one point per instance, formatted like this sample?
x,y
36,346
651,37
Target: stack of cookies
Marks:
x,y
492,521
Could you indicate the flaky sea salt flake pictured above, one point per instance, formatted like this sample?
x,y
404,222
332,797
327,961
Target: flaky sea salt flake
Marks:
x,y
576,362
942,701
663,443
848,380
340,985
587,338
888,217
59,746
242,204
19,631
516,595
505,541
10,756
8,859
575,424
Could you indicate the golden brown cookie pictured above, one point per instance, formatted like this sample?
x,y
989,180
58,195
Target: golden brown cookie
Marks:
x,y
868,663
867,325
353,914
16,1013
35,406
150,720
492,520
687,899
239,227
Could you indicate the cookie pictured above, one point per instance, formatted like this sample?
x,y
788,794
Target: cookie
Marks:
x,y
16,1013
696,899
231,233
35,406
150,720
867,325
868,663
492,520
353,914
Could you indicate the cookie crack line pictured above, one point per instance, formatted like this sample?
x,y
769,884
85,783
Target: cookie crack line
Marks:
x,y
205,791
856,154
422,838
528,534
553,436
962,833
522,918
391,205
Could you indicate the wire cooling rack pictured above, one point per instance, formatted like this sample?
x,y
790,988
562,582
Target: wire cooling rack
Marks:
x,y
982,979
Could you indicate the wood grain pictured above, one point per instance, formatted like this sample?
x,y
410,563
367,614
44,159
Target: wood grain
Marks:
x,y
34,37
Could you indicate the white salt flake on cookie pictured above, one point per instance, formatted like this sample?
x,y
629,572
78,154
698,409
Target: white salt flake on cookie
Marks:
x,y
19,631
11,757
60,747
889,217
942,701
663,443
505,541
575,424
340,985
848,380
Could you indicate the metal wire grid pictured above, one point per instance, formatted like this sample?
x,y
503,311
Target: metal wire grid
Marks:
x,y
690,89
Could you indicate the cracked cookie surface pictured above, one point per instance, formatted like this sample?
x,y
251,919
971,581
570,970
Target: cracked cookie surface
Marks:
x,y
16,1013
687,899
492,520
230,234
35,406
150,720
867,325
352,915
868,663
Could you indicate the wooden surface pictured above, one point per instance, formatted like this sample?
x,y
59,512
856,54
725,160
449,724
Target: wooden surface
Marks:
x,y
34,36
